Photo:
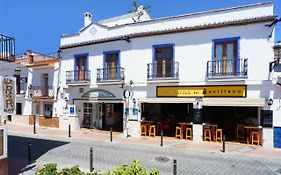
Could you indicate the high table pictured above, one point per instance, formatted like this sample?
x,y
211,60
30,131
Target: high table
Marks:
x,y
184,125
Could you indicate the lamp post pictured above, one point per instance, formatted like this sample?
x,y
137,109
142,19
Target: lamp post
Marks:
x,y
277,56
277,50
17,75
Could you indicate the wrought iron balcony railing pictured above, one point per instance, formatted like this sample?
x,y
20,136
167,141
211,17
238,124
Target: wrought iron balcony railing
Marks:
x,y
78,76
42,91
163,71
112,74
230,68
7,48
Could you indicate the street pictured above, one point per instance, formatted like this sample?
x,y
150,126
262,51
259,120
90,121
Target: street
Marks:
x,y
108,155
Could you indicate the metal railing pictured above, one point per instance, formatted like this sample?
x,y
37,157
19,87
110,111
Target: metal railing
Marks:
x,y
7,48
112,74
229,68
163,70
76,76
42,91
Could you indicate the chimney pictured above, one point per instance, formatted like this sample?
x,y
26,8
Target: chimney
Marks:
x,y
87,18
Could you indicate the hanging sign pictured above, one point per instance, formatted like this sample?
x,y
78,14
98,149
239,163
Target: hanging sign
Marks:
x,y
202,91
9,95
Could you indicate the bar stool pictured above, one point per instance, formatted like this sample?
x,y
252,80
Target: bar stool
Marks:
x,y
207,134
143,130
219,135
178,132
255,137
152,130
188,133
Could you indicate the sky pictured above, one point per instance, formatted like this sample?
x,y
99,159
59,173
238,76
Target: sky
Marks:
x,y
38,24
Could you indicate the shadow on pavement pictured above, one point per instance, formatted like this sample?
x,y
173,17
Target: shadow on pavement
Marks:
x,y
17,151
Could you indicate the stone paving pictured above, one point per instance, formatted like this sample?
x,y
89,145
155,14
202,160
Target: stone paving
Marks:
x,y
205,158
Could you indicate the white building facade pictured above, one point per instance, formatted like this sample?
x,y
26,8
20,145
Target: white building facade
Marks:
x,y
205,67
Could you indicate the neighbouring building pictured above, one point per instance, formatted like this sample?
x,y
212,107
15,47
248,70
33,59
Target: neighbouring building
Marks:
x,y
37,85
205,67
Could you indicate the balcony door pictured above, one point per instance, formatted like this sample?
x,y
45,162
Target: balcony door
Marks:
x,y
45,86
163,62
112,66
225,58
80,72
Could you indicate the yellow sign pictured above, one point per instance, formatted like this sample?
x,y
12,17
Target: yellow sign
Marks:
x,y
201,91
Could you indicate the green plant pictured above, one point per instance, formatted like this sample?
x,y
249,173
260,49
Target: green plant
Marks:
x,y
134,168
48,169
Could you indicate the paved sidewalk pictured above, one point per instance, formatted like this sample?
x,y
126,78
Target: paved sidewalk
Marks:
x,y
75,151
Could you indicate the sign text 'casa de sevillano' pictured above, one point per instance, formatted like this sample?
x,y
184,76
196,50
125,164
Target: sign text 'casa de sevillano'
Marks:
x,y
201,91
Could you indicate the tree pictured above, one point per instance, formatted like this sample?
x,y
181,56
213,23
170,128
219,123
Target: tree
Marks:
x,y
138,10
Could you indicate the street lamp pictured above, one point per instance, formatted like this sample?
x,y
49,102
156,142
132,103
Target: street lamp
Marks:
x,y
277,50
277,56
269,102
199,102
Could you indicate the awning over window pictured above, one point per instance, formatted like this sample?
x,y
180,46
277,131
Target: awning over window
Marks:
x,y
233,102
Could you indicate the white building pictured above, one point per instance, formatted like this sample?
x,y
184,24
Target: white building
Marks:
x,y
205,67
37,91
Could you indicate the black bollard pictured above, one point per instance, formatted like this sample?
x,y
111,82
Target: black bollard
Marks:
x,y
34,127
29,152
161,144
110,134
223,143
175,167
69,130
91,160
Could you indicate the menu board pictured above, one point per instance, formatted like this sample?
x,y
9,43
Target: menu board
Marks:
x,y
266,118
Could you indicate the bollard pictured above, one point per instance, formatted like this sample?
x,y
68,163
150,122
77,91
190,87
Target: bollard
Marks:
x,y
161,144
223,143
91,160
175,167
34,127
29,152
69,130
110,134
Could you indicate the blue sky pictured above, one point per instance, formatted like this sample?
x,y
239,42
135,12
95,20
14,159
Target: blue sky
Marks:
x,y
38,24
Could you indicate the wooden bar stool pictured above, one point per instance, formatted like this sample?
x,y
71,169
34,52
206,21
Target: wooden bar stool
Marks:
x,y
219,135
152,131
178,132
143,130
255,137
207,134
188,133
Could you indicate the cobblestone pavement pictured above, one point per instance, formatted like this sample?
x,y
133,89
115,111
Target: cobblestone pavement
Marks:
x,y
68,152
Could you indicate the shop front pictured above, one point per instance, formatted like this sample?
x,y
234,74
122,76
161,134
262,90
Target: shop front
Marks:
x,y
209,108
99,109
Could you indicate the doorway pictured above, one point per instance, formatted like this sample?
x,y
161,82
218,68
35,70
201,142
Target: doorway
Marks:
x,y
87,115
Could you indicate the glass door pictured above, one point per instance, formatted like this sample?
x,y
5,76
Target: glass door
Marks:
x,y
163,63
81,68
112,66
87,115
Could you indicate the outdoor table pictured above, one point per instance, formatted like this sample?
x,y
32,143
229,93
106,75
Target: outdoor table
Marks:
x,y
213,128
248,132
147,123
184,125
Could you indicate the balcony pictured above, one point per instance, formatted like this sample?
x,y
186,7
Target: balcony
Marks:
x,y
42,91
227,69
110,75
163,71
78,77
7,48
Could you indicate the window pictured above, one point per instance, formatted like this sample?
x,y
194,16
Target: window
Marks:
x,y
18,108
111,65
48,110
80,67
163,61
225,56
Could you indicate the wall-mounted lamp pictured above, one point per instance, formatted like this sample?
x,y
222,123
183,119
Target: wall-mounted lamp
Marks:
x,y
134,101
199,102
66,102
269,102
